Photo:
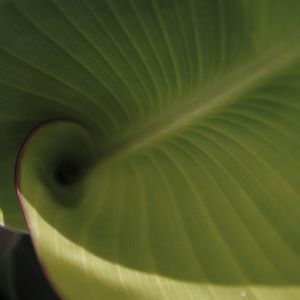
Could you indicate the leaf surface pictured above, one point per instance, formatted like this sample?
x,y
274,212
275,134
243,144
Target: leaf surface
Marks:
x,y
181,180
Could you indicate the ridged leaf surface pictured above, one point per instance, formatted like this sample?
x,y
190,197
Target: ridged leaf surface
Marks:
x,y
181,127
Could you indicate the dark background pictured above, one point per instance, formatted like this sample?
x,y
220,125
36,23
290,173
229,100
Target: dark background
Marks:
x,y
21,276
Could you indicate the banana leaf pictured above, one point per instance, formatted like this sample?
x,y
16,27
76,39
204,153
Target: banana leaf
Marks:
x,y
157,145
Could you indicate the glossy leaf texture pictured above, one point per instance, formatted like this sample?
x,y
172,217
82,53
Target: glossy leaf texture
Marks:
x,y
175,173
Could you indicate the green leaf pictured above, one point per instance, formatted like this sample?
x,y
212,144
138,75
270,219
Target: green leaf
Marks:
x,y
181,179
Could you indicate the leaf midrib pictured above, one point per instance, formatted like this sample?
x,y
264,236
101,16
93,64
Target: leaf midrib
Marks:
x,y
212,97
